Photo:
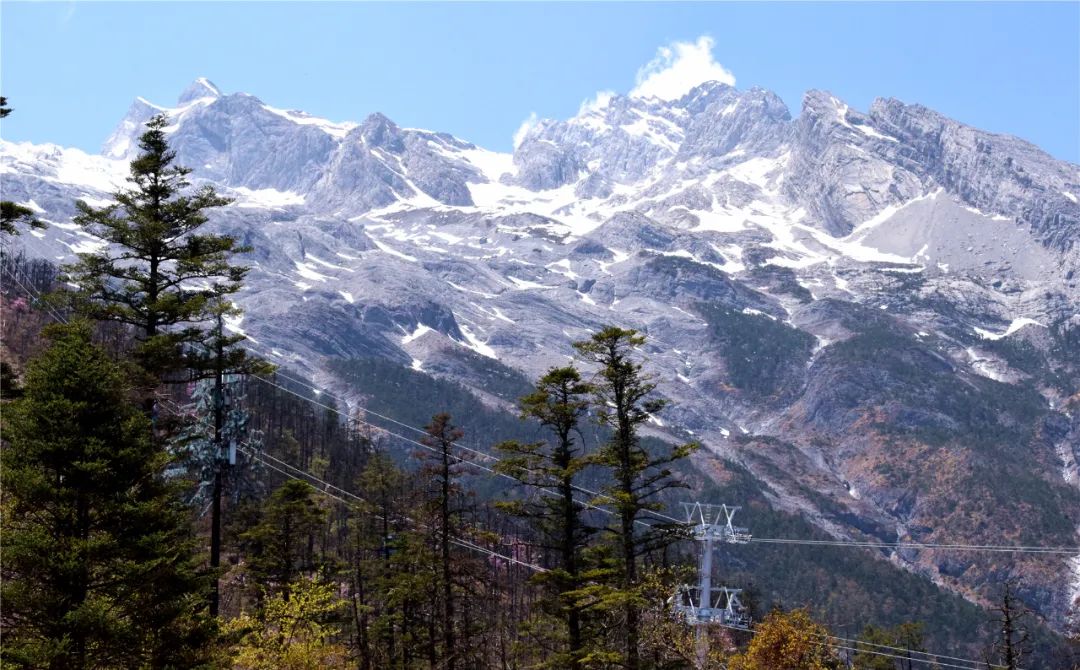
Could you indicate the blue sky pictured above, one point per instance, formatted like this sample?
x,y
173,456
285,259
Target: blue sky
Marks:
x,y
478,70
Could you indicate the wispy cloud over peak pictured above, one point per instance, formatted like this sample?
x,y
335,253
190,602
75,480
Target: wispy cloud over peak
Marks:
x,y
679,67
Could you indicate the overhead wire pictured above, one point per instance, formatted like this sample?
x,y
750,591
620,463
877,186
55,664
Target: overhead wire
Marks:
x,y
301,474
878,645
1000,548
327,491
37,296
973,664
665,517
597,495
459,459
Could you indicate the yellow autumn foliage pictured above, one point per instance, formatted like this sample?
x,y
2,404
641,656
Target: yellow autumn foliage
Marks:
x,y
290,634
787,641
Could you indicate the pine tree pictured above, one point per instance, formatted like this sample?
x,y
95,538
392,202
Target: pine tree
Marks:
x,y
98,559
623,404
283,541
441,437
147,276
10,212
559,403
392,568
906,636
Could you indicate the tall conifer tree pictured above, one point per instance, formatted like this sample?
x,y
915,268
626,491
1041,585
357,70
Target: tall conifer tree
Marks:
x,y
560,402
441,436
147,276
623,401
99,568
284,539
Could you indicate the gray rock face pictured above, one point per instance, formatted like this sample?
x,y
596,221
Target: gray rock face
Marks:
x,y
544,165
854,286
756,122
993,173
619,141
357,178
842,168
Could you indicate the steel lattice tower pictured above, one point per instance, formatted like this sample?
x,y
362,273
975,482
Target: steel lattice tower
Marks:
x,y
706,604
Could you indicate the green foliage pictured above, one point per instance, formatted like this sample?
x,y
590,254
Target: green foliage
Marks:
x,y
9,382
760,353
551,471
408,395
283,542
488,374
383,579
98,561
623,403
779,279
1056,364
12,214
143,279
912,397
981,410
874,641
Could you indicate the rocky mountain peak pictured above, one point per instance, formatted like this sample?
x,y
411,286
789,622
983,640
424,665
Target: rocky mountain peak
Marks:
x,y
198,89
379,131
699,97
754,121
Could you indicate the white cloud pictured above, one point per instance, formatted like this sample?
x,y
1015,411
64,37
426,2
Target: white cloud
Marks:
x,y
523,130
679,67
598,103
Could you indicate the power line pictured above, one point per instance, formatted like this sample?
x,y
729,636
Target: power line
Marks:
x,y
37,296
974,665
831,640
459,459
598,495
903,649
326,490
934,659
265,459
1014,549
665,517
372,412
477,452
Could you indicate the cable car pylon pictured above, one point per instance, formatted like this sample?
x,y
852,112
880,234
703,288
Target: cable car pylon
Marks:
x,y
704,603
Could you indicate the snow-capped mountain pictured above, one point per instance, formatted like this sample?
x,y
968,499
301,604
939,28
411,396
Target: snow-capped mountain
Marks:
x,y
831,299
